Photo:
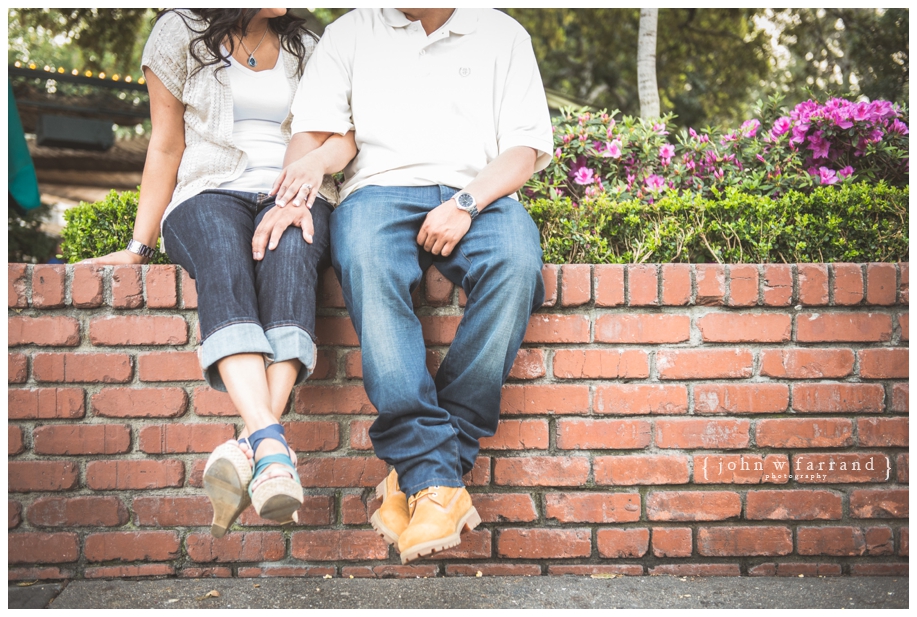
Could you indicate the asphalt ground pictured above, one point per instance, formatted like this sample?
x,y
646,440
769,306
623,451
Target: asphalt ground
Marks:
x,y
471,593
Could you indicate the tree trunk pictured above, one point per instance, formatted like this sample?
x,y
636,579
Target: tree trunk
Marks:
x,y
646,64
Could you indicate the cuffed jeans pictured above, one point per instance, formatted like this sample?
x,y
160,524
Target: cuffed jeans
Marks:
x,y
427,428
248,306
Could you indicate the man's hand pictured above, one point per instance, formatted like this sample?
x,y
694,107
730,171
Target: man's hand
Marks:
x,y
275,222
443,228
298,183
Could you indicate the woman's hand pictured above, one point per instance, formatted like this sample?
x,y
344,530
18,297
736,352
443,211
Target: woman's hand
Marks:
x,y
299,182
274,223
118,258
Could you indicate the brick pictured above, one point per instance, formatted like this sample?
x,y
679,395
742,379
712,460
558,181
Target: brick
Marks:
x,y
904,326
544,543
590,570
337,331
696,569
795,569
210,402
172,511
244,546
43,331
34,548
840,468
880,503
642,285
138,330
622,543
147,569
439,329
504,507
548,328
529,364
899,398
542,471
676,284
542,399
126,287
813,284
284,571
48,286
161,287
353,365
881,287
704,363
82,367
354,511
804,433
86,287
17,368
592,507
883,363
744,541
848,284
140,402
901,465
549,275
835,541
693,506
184,438
332,400
78,512
39,574
843,327
741,469
330,293
325,365
14,440
17,285
671,542
647,328
778,284
359,435
882,432
475,545
518,435
343,472
575,285
796,505
70,440
903,293
741,398
14,513
169,366
806,363
634,399
313,436
879,569
644,469
479,474
838,398
745,328
402,572
316,510
29,476
711,283
577,434
134,475
188,290
494,569
697,433
903,542
601,364
437,288
334,545
743,285
609,285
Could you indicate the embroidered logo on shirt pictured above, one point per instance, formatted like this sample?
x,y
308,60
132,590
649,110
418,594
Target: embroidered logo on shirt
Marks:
x,y
464,71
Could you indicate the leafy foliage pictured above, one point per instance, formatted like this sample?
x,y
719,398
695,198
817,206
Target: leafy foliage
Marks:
x,y
96,229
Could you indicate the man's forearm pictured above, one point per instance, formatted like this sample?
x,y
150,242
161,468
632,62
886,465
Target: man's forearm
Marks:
x,y
503,176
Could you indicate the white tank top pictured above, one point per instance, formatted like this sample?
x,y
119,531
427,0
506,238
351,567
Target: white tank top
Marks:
x,y
260,104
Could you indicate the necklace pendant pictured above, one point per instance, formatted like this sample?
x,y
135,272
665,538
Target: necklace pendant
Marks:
x,y
252,62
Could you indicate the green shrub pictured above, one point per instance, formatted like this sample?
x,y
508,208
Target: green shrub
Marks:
x,y
96,229
855,222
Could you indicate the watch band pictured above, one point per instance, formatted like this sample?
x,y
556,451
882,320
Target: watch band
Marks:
x,y
140,248
466,201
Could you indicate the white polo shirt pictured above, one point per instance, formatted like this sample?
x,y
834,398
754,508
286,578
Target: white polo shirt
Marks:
x,y
426,110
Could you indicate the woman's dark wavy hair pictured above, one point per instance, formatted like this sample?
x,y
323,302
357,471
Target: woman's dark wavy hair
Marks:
x,y
213,26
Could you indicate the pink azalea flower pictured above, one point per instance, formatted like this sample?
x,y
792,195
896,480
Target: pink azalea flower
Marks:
x,y
666,152
567,138
898,127
846,172
781,126
660,128
799,133
612,149
827,176
692,132
760,158
584,175
875,136
750,127
557,153
654,182
818,145
718,173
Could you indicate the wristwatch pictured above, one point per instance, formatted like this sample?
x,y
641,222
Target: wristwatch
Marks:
x,y
140,248
465,201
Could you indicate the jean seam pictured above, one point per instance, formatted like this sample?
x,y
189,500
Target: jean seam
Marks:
x,y
226,324
278,324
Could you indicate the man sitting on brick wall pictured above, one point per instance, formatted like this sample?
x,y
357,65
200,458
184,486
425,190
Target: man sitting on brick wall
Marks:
x,y
450,119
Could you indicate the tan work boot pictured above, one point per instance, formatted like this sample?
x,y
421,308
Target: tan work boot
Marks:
x,y
392,517
438,516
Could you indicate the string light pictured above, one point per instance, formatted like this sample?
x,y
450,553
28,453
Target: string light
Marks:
x,y
101,75
115,77
17,64
60,69
76,72
88,73
47,68
128,79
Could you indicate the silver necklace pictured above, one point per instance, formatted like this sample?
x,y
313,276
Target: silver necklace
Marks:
x,y
251,56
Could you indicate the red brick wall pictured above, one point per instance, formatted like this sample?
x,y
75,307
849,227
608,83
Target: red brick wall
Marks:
x,y
640,406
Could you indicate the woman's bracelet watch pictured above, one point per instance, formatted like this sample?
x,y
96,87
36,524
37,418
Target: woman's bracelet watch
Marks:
x,y
140,248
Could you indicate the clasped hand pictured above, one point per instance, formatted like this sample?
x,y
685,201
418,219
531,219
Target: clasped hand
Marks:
x,y
443,228
297,185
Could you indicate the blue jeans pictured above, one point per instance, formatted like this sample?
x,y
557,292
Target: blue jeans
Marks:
x,y
248,306
427,428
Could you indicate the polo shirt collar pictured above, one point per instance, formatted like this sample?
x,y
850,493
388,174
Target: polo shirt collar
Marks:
x,y
463,21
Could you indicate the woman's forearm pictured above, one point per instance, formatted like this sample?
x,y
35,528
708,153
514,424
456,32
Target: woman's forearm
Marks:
x,y
157,184
330,152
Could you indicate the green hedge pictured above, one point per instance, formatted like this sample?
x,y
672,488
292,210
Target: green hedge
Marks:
x,y
854,222
858,222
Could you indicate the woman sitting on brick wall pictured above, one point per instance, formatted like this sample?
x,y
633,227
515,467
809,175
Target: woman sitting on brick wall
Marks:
x,y
221,82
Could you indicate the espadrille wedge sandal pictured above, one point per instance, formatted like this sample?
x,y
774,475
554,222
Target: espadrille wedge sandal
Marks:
x,y
227,475
278,498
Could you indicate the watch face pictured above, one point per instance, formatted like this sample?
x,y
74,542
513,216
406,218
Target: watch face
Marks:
x,y
465,200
